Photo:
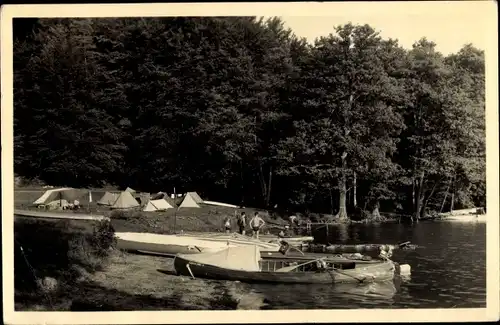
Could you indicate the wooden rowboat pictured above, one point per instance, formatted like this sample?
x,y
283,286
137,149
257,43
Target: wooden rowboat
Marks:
x,y
262,238
245,264
237,240
170,245
165,244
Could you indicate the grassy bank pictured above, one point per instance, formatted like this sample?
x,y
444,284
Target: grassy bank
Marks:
x,y
72,265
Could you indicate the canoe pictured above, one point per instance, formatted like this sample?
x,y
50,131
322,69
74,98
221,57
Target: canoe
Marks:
x,y
237,241
244,264
262,238
465,218
59,215
165,244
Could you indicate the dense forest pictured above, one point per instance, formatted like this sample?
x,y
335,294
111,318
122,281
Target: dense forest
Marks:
x,y
241,110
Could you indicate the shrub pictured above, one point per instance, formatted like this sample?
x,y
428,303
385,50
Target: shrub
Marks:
x,y
51,255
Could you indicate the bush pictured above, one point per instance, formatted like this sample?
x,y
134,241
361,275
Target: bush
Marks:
x,y
125,214
51,255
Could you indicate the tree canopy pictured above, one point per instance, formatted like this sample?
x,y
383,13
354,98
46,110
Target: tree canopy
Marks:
x,y
242,110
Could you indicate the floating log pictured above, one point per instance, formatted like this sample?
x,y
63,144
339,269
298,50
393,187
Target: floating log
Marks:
x,y
338,248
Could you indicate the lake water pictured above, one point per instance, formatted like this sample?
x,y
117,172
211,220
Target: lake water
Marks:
x,y
449,271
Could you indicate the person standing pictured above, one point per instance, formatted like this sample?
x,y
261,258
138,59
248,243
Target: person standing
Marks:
x,y
256,223
227,224
242,223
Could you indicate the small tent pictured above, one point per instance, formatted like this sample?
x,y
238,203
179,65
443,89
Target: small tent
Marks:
x,y
50,195
128,189
60,197
196,197
157,205
191,200
108,199
125,201
164,196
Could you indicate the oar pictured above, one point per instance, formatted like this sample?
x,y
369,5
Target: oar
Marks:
x,y
349,275
292,267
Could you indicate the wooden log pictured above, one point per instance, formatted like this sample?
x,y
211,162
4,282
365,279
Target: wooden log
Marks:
x,y
319,248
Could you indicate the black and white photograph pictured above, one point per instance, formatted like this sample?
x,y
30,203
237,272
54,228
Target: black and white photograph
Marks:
x,y
286,157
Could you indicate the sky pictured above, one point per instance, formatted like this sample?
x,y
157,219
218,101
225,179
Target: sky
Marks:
x,y
449,30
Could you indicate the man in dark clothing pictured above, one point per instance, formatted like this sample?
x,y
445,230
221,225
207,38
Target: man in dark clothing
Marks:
x,y
242,223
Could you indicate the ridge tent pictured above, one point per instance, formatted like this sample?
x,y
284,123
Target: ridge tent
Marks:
x,y
164,196
191,200
49,196
108,199
196,197
125,201
60,197
157,205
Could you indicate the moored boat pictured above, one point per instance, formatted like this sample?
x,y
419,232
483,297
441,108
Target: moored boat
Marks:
x,y
165,244
237,241
293,240
244,263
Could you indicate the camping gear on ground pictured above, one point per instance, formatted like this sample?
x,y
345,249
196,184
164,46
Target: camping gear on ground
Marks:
x,y
157,205
244,264
191,200
125,201
164,244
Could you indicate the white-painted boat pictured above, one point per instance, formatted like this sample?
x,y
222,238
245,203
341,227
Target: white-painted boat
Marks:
x,y
166,244
262,238
58,215
236,241
466,218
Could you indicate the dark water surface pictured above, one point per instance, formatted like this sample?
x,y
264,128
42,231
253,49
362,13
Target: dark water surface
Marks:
x,y
448,272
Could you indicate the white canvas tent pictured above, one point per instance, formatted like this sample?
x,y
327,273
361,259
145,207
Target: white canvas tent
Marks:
x,y
157,205
59,198
49,196
191,200
125,201
108,199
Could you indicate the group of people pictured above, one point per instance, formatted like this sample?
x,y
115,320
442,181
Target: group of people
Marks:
x,y
256,224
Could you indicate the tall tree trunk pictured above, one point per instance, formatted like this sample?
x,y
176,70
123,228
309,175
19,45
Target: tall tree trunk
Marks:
x,y
424,207
268,198
354,187
420,195
262,181
446,194
452,200
413,192
242,184
331,201
376,211
342,190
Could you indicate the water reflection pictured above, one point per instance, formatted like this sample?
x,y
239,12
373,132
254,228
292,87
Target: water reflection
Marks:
x,y
351,295
448,271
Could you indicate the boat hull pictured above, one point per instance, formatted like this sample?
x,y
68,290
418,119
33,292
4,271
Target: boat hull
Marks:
x,y
382,271
166,245
266,255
